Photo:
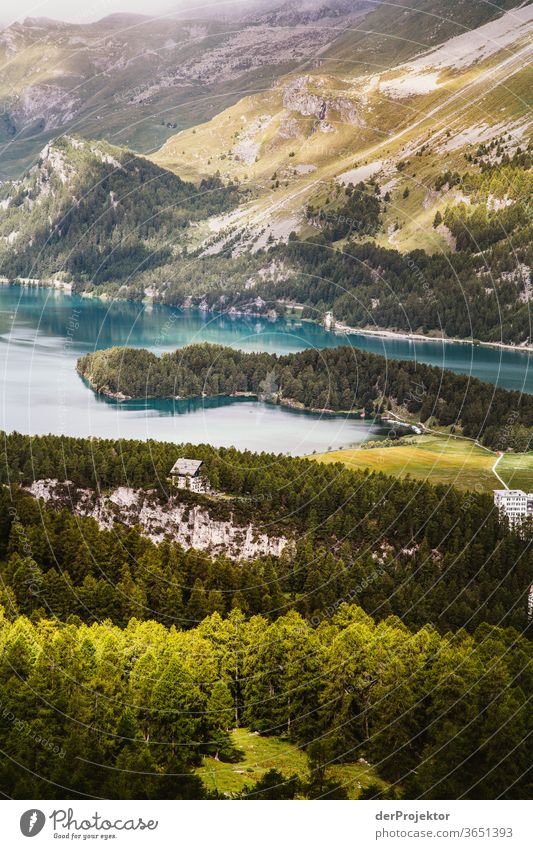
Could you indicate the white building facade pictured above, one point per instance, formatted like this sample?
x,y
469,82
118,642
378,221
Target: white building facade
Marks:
x,y
516,504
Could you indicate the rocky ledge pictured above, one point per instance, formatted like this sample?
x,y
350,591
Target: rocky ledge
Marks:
x,y
190,526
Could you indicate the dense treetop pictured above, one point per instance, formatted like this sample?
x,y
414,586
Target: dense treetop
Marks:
x,y
128,713
76,569
372,538
127,661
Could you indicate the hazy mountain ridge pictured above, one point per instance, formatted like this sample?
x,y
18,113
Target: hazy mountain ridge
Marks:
x,y
133,79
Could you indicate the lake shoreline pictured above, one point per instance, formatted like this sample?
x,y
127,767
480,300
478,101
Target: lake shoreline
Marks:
x,y
43,342
287,403
343,329
336,327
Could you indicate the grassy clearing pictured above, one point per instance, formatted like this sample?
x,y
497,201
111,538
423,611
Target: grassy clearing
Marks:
x,y
517,470
264,753
439,459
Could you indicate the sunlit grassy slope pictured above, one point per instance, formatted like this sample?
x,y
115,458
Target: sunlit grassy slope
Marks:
x,y
264,753
128,79
294,142
445,460
517,471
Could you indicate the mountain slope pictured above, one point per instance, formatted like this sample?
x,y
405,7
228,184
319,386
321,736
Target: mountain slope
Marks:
x,y
435,141
395,32
317,127
134,79
96,212
394,200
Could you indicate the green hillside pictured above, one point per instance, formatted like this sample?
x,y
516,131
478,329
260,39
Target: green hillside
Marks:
x,y
261,754
183,621
92,212
440,459
395,600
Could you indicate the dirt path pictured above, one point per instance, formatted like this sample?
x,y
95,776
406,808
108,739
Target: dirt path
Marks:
x,y
494,472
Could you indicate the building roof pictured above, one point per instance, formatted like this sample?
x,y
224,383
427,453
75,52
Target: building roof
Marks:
x,y
183,466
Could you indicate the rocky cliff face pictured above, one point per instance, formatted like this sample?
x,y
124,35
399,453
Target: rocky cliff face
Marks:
x,y
191,527
298,97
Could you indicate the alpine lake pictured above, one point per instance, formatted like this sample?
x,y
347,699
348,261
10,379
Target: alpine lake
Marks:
x,y
43,332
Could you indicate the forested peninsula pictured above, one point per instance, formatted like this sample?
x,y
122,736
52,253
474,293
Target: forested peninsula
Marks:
x,y
332,380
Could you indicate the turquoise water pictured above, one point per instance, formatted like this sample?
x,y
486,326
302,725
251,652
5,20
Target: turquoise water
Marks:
x,y
42,332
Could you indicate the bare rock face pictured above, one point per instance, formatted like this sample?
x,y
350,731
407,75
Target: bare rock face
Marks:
x,y
297,98
191,527
249,144
48,103
327,110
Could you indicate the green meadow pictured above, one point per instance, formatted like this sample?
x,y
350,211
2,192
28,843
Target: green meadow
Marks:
x,y
440,459
263,753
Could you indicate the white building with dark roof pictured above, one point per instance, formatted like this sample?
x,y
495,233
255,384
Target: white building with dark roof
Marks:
x,y
185,474
516,504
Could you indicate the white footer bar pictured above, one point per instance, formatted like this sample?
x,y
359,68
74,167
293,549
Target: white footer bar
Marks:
x,y
267,825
